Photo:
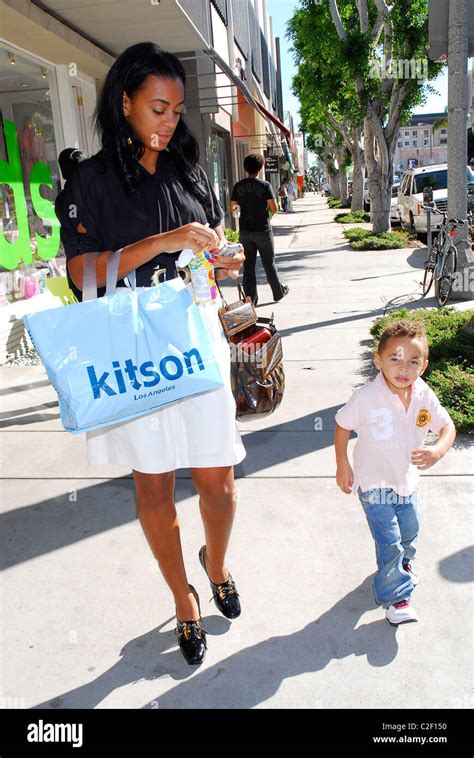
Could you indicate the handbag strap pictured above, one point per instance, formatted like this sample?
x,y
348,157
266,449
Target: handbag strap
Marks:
x,y
239,287
265,320
89,277
112,272
89,285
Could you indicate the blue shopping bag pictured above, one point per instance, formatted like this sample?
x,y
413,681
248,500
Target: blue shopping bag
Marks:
x,y
126,354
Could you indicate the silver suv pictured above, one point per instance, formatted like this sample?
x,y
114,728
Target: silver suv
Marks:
x,y
410,195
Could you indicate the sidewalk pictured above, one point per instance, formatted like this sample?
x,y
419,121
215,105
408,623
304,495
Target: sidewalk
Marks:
x,y
90,623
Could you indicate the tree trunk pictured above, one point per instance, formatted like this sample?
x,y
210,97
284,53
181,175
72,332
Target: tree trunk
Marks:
x,y
340,153
334,184
357,201
380,198
331,171
343,186
380,177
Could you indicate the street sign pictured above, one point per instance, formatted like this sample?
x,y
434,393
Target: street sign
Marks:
x,y
271,164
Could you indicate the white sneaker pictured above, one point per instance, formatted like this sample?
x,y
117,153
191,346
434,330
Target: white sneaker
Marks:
x,y
409,569
400,612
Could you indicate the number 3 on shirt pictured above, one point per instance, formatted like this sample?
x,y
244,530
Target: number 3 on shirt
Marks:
x,y
381,420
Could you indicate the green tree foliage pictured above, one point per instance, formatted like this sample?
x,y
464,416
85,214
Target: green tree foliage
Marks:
x,y
363,63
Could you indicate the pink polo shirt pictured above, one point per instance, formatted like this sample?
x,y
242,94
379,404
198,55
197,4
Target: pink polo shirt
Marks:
x,y
387,434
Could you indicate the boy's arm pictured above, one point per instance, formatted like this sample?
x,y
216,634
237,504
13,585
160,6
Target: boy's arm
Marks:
x,y
344,473
425,457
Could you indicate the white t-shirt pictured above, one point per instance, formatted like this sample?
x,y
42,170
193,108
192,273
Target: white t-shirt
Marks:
x,y
387,434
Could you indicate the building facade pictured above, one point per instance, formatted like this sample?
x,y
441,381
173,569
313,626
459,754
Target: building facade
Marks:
x,y
302,153
470,115
423,142
53,60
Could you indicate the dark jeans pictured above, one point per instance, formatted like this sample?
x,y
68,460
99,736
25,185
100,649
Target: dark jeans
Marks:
x,y
261,242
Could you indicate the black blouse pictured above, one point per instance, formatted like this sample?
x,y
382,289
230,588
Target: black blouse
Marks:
x,y
97,214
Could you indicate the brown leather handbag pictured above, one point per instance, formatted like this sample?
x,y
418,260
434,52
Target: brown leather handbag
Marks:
x,y
257,375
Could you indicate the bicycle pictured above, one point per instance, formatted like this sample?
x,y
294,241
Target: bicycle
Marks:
x,y
442,261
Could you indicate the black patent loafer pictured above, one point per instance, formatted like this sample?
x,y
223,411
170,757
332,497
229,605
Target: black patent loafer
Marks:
x,y
225,595
192,641
192,637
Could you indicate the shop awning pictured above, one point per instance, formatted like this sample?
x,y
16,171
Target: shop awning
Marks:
x,y
113,26
289,158
274,119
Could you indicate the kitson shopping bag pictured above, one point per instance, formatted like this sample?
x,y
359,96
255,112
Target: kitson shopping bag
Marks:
x,y
126,354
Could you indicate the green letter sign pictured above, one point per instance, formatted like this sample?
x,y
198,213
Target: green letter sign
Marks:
x,y
11,253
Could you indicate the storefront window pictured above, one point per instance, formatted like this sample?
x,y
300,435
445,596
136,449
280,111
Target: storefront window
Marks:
x,y
219,166
29,175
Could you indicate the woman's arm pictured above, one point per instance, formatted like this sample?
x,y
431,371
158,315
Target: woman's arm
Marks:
x,y
219,230
232,265
194,236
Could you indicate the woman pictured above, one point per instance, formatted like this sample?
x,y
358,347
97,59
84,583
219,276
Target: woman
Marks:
x,y
283,194
145,192
290,188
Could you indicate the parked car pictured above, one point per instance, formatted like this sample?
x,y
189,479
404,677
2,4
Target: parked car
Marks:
x,y
410,195
394,212
366,195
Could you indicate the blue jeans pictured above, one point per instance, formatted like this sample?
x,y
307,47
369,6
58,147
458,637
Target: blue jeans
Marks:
x,y
394,523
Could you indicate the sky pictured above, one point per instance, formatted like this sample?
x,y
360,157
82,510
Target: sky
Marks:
x,y
281,11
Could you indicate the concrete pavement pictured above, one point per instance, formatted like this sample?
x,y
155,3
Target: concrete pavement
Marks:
x,y
89,621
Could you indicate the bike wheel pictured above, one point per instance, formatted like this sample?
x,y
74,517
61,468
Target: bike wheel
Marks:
x,y
444,283
429,271
427,278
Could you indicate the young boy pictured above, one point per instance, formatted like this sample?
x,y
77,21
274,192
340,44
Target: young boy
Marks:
x,y
392,416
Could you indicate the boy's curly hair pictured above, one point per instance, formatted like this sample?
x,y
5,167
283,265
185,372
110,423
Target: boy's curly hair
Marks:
x,y
403,328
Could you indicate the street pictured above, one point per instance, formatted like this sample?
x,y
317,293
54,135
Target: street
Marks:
x,y
90,620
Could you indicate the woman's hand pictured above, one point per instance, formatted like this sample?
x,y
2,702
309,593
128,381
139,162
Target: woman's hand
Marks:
x,y
230,265
194,236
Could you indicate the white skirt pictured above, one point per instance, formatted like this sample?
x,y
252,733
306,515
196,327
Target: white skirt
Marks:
x,y
197,432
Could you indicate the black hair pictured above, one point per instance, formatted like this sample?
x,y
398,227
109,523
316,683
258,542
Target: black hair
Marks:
x,y
128,74
253,163
68,160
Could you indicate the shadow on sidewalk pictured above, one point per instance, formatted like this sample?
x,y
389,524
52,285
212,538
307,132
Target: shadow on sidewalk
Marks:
x,y
21,387
302,254
251,676
30,415
458,567
74,515
34,530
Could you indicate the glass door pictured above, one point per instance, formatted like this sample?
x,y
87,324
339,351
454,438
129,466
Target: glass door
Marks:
x,y
220,172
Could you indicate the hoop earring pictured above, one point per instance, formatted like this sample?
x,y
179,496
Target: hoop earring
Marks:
x,y
129,140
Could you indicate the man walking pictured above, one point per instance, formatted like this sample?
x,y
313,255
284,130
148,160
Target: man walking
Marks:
x,y
256,198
